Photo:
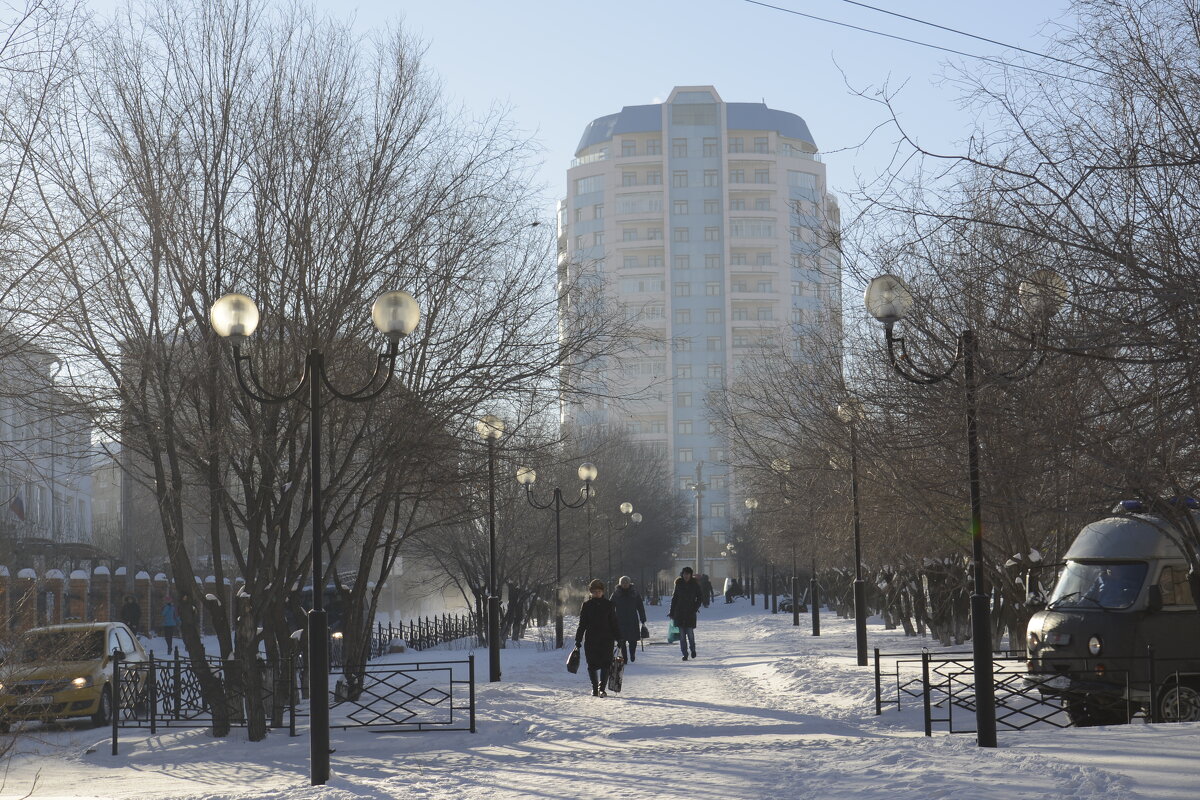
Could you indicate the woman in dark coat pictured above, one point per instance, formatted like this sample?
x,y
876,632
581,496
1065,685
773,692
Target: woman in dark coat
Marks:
x,y
685,604
598,635
631,616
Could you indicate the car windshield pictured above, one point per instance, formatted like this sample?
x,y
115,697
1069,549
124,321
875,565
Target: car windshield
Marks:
x,y
46,646
1095,584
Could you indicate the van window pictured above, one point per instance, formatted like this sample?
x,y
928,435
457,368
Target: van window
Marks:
x,y
1176,591
1106,584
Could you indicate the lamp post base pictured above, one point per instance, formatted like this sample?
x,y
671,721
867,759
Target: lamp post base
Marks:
x,y
860,620
493,639
318,704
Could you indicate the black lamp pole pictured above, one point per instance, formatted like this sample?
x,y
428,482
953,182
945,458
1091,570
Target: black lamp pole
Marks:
x,y
889,300
235,317
526,477
491,428
814,597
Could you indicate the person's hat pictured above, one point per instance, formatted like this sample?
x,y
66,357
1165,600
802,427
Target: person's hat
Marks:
x,y
625,579
686,570
596,584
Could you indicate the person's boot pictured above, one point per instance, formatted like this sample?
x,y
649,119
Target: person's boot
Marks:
x,y
595,690
685,656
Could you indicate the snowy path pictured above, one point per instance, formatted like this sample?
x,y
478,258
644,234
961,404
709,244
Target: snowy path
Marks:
x,y
766,711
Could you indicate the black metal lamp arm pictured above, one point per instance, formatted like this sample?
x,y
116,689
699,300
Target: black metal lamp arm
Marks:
x,y
905,367
364,392
254,387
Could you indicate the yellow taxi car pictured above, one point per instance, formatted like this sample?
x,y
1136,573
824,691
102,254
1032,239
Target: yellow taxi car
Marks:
x,y
65,671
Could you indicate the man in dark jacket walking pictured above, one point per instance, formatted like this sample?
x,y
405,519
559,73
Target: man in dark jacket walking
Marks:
x,y
598,635
685,605
631,616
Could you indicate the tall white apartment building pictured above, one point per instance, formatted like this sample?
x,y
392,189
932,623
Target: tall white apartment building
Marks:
x,y
709,223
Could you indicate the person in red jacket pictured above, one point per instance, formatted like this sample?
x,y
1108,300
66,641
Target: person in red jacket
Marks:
x,y
685,605
598,633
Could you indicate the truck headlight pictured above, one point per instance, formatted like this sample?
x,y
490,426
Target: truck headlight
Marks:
x,y
1095,645
82,683
1034,641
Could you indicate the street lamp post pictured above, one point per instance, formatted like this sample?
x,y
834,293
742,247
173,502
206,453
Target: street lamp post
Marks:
x,y
889,300
630,517
490,428
698,487
851,412
235,317
751,507
526,477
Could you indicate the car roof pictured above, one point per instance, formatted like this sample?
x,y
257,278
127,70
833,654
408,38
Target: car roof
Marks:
x,y
77,627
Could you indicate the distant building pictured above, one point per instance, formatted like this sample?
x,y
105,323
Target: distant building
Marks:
x,y
45,466
708,223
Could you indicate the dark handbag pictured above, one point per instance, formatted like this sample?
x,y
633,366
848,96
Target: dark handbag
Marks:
x,y
645,632
616,673
573,661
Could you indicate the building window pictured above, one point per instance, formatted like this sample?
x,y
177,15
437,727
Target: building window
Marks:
x,y
654,234
629,179
713,344
736,144
712,234
628,147
679,234
630,261
683,344
654,261
762,176
712,206
712,315
683,261
683,400
685,484
712,289
680,207
741,314
685,454
679,179
760,144
737,259
764,287
654,178
710,148
795,234
678,148
717,454
592,183
802,180
578,242
763,259
716,371
764,315
598,211
712,261
629,234
717,481
653,147
797,316
762,204
737,204
716,510
740,286
683,426
579,214
683,316
682,290
711,177
797,289
683,371
737,176
598,239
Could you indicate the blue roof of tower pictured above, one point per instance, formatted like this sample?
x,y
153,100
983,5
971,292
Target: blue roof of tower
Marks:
x,y
741,116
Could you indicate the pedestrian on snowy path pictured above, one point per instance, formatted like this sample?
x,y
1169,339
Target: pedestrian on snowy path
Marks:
x,y
631,616
598,632
685,605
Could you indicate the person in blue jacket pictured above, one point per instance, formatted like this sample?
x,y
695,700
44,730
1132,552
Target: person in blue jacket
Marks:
x,y
170,621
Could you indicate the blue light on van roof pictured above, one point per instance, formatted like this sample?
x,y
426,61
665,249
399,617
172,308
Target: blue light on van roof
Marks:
x,y
1130,506
1188,502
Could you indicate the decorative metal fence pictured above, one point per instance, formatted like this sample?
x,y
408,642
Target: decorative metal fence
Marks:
x,y
385,697
424,633
944,685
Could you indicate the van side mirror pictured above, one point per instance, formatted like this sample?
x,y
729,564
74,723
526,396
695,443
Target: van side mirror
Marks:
x,y
1154,598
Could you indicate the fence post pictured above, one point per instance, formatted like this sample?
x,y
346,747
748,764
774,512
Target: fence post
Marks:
x,y
1153,684
115,695
925,693
878,686
471,660
153,707
176,686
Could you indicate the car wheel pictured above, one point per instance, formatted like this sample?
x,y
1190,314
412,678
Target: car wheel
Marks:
x,y
1179,702
104,710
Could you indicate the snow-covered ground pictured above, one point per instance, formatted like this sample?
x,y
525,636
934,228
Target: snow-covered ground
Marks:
x,y
766,711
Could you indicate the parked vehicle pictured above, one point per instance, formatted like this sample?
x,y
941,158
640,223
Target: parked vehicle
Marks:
x,y
65,671
1121,626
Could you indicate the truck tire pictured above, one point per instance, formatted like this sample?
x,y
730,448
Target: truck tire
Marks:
x,y
1179,702
1086,711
